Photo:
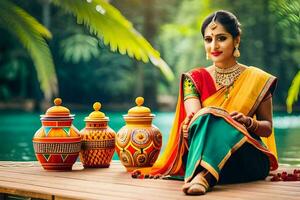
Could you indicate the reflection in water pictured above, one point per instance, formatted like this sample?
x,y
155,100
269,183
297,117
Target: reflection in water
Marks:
x,y
17,130
286,122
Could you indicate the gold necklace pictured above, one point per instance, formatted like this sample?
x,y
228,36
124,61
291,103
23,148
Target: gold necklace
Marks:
x,y
226,77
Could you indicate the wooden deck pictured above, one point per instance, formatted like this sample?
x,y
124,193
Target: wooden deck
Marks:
x,y
28,179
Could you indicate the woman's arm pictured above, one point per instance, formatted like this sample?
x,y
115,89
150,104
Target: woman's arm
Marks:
x,y
192,105
264,117
264,124
191,96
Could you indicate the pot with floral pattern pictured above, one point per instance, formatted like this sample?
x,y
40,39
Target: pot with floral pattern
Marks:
x,y
138,143
57,143
98,140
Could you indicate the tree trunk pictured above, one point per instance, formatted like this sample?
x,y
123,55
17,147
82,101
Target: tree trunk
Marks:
x,y
46,13
150,30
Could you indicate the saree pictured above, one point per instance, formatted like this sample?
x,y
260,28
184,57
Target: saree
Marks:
x,y
213,135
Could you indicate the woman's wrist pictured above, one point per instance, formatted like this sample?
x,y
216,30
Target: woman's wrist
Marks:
x,y
251,124
248,122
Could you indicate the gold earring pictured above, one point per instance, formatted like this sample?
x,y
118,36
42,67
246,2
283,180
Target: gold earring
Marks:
x,y
236,52
207,56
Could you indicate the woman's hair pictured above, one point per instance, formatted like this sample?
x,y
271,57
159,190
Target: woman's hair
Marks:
x,y
226,19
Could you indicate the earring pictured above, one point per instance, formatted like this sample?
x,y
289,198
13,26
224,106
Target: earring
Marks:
x,y
207,56
236,52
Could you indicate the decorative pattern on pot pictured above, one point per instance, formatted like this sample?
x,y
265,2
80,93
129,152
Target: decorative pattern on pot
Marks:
x,y
98,140
138,143
57,143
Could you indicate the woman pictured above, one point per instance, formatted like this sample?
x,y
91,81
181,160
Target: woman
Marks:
x,y
223,111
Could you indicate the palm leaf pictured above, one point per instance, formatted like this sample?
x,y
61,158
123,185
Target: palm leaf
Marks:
x,y
293,92
287,12
80,47
30,32
107,23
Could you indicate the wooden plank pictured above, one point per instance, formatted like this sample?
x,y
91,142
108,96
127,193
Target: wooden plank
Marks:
x,y
24,193
128,192
115,183
57,193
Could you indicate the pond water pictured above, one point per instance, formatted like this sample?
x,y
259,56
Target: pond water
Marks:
x,y
18,128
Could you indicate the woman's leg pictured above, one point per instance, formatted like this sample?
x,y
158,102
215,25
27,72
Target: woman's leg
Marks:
x,y
210,140
246,164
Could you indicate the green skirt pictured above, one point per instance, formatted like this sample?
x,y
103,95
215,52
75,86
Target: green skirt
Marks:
x,y
216,145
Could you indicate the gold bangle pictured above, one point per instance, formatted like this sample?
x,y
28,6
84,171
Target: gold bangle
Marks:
x,y
251,123
253,126
256,125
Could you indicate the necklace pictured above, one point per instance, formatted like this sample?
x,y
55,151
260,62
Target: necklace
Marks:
x,y
226,77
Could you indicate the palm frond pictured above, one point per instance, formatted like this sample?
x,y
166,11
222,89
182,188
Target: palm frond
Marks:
x,y
107,23
30,33
287,12
293,92
80,47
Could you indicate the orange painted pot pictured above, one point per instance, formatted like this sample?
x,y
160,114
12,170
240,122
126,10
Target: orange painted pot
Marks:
x,y
57,143
138,143
98,140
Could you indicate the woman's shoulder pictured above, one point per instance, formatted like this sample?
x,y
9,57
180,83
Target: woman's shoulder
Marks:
x,y
200,76
197,74
199,70
258,71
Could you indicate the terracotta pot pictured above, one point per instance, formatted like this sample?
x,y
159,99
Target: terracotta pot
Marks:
x,y
57,143
138,143
98,140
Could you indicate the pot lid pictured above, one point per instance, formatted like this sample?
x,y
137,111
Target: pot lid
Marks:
x,y
139,110
96,115
57,110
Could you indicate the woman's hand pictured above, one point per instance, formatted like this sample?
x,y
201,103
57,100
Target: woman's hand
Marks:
x,y
185,125
241,118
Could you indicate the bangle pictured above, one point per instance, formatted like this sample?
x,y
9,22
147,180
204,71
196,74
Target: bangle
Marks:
x,y
250,124
253,126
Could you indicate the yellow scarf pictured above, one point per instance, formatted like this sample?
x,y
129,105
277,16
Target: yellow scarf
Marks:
x,y
246,95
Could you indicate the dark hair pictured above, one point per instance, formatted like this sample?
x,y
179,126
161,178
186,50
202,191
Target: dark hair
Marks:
x,y
227,19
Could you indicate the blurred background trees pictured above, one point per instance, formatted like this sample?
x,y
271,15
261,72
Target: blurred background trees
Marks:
x,y
87,70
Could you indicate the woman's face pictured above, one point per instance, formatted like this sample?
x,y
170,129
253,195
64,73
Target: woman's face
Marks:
x,y
219,44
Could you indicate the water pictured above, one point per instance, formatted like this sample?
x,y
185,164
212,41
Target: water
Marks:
x,y
18,128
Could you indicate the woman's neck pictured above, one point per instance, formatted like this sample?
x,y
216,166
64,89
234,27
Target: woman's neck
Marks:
x,y
225,65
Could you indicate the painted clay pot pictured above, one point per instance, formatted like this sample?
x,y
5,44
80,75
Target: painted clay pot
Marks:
x,y
138,143
98,140
57,143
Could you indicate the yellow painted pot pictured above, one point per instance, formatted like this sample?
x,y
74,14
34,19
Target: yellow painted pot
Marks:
x,y
138,143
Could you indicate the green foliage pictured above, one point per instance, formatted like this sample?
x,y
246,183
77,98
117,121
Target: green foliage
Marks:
x,y
288,12
102,19
12,71
288,15
108,79
79,47
181,40
293,92
31,34
107,23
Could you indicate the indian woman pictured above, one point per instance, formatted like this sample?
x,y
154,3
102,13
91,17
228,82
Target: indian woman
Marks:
x,y
222,131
